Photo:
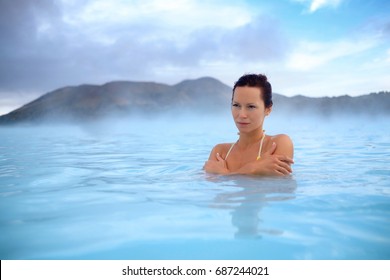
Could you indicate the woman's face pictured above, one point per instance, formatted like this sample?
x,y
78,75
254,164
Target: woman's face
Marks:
x,y
248,108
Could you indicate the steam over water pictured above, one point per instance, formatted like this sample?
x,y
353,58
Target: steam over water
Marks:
x,y
136,190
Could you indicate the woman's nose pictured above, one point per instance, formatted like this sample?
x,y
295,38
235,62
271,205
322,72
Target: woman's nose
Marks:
x,y
242,113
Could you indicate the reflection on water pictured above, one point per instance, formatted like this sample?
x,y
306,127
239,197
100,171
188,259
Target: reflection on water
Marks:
x,y
246,203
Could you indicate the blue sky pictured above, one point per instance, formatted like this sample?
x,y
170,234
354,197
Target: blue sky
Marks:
x,y
308,47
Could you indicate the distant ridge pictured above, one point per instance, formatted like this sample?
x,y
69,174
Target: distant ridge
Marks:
x,y
123,98
204,95
373,104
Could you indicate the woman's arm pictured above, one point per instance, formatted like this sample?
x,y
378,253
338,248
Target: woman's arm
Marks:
x,y
216,164
284,145
276,161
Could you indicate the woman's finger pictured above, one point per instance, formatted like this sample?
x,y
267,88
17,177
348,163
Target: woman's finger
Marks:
x,y
285,159
283,171
272,150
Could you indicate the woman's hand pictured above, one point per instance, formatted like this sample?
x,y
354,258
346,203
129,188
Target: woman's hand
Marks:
x,y
272,164
217,166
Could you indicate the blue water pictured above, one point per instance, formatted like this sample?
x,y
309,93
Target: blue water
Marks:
x,y
135,190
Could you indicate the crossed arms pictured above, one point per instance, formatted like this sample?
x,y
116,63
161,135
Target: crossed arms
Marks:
x,y
276,161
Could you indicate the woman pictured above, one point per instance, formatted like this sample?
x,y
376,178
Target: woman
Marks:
x,y
255,153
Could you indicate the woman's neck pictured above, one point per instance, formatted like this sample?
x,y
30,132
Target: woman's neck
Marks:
x,y
247,139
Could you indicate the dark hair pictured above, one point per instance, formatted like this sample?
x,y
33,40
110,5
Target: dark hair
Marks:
x,y
259,81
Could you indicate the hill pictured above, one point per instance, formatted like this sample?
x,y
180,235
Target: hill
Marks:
x,y
123,98
373,104
148,99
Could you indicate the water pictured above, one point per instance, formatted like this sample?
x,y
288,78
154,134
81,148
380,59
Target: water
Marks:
x,y
136,191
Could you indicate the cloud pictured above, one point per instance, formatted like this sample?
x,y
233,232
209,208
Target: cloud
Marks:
x,y
311,55
186,13
53,44
318,4
368,38
315,5
388,56
47,44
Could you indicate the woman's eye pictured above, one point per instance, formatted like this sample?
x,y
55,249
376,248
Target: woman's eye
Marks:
x,y
235,105
251,107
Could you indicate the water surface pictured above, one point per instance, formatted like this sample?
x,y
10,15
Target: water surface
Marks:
x,y
136,190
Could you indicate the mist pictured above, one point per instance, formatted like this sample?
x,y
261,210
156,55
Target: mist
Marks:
x,y
199,126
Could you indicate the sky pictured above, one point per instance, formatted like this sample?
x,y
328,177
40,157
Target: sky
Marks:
x,y
306,47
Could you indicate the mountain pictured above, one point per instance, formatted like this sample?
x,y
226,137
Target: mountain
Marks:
x,y
123,98
373,104
148,99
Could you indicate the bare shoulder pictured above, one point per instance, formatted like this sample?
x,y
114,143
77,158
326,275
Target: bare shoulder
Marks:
x,y
222,149
281,139
284,145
